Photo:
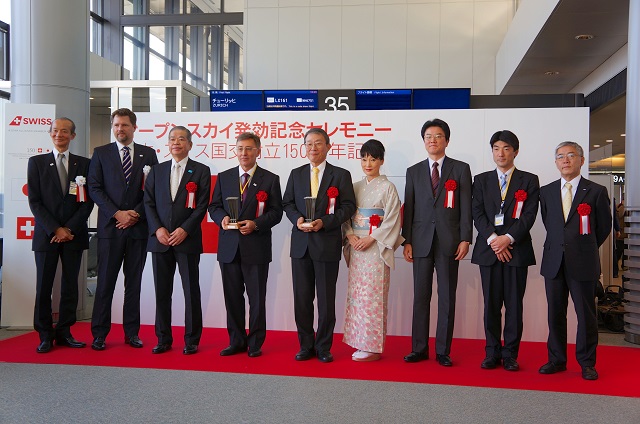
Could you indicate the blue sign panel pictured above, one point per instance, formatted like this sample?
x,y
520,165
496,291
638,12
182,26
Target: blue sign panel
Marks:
x,y
291,100
383,99
235,100
441,98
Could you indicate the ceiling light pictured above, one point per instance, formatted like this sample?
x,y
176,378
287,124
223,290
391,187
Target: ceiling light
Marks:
x,y
596,145
623,135
551,73
90,98
609,141
584,37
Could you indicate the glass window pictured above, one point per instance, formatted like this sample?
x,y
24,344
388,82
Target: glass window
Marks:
x,y
133,57
95,37
165,53
233,69
202,57
133,7
4,52
96,6
199,6
165,7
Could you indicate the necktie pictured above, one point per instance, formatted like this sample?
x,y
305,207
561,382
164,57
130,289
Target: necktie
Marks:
x,y
126,164
62,173
245,183
315,184
435,178
175,180
566,201
503,185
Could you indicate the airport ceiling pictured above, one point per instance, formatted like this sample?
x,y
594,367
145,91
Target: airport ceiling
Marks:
x,y
557,60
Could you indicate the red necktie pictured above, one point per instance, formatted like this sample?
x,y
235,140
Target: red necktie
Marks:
x,y
435,178
245,184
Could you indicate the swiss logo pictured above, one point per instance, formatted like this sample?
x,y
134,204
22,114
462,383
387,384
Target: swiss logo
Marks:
x,y
16,121
25,227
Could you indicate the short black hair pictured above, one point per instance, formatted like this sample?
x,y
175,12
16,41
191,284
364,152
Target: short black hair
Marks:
x,y
436,123
508,137
373,148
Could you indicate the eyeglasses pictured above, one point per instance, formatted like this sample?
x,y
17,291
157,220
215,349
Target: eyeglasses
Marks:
x,y
317,144
246,149
436,137
570,156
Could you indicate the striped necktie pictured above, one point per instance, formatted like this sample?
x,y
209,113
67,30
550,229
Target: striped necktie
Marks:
x,y
503,185
435,178
567,200
126,164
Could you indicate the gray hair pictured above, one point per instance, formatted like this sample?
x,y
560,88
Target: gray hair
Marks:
x,y
571,144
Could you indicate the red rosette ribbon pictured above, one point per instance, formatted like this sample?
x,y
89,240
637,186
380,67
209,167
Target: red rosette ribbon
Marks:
x,y
191,194
450,186
332,193
261,197
585,224
520,196
374,222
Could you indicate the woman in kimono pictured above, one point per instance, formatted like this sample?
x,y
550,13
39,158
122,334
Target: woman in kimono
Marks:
x,y
372,235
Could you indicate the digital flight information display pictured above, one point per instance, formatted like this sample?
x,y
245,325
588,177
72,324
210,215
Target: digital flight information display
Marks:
x,y
235,100
383,99
291,100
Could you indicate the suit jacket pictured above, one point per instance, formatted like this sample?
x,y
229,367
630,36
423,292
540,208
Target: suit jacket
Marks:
x,y
326,244
564,239
425,215
171,214
486,204
255,248
53,209
108,188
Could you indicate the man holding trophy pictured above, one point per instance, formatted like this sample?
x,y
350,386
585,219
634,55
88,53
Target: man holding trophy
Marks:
x,y
319,197
246,203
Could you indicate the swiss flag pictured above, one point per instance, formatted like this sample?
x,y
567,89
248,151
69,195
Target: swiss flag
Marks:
x,y
25,226
210,228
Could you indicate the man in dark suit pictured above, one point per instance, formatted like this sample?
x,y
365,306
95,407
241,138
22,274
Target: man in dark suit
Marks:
x,y
244,254
61,207
504,207
316,246
577,216
116,178
176,196
437,230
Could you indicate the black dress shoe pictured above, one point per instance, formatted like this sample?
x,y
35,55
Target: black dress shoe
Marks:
x,y
254,353
133,341
325,356
69,341
305,354
510,364
551,368
44,347
444,360
190,349
161,348
490,362
98,344
416,357
232,350
589,373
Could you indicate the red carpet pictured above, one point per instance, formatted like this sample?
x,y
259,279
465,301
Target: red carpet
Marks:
x,y
617,366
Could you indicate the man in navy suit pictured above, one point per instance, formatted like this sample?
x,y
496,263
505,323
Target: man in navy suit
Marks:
x,y
316,248
505,206
176,196
437,230
116,177
244,254
61,215
577,215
